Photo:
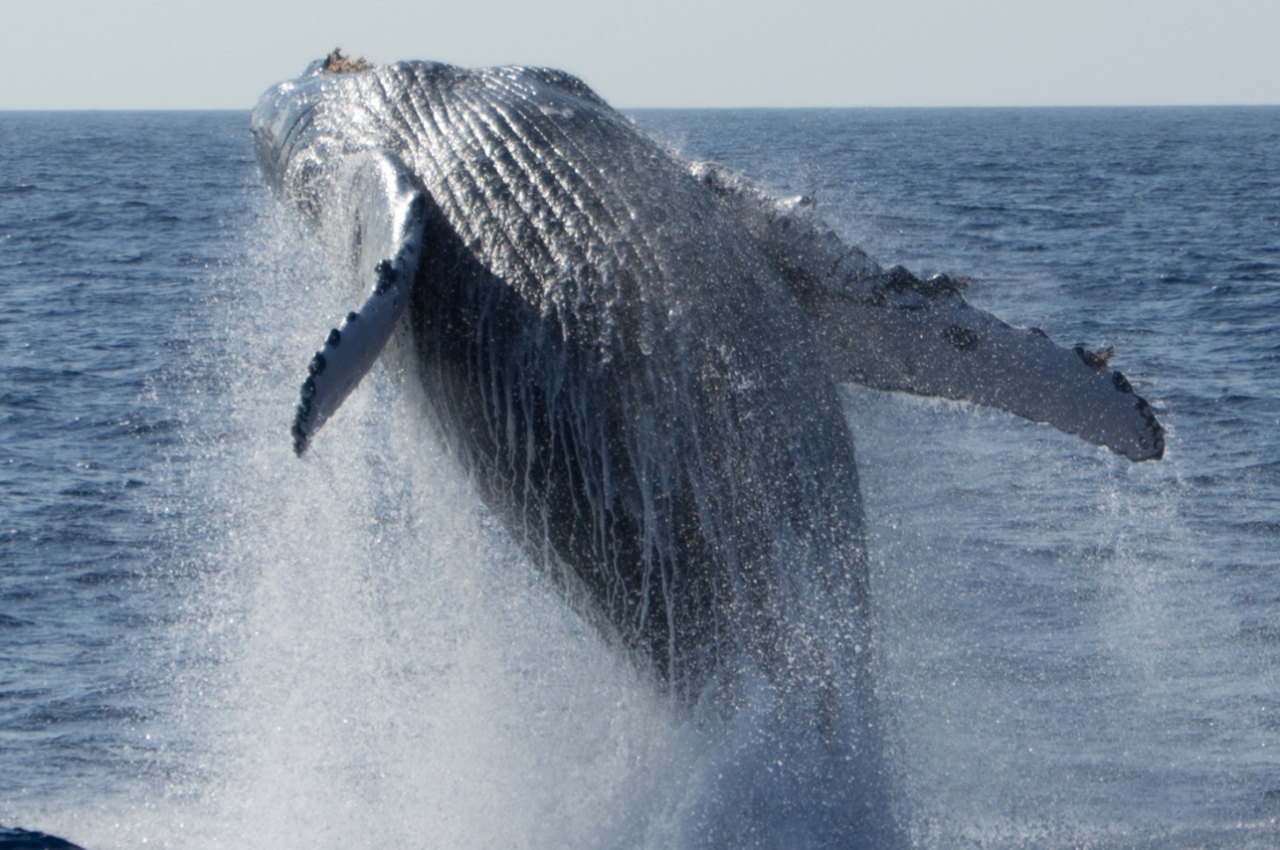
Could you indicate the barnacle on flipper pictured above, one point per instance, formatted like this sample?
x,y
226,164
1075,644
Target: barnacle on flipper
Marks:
x,y
1095,360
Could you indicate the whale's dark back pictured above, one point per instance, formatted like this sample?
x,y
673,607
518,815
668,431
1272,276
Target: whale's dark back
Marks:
x,y
626,379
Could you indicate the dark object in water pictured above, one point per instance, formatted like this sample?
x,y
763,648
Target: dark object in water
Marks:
x,y
14,838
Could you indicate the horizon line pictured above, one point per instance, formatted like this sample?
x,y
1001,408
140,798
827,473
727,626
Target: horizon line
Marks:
x,y
79,109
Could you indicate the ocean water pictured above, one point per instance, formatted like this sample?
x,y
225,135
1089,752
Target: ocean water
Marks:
x,y
205,642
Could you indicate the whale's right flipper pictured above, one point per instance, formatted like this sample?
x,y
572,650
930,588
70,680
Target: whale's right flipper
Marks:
x,y
889,330
385,244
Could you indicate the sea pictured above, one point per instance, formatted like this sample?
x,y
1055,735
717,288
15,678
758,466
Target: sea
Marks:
x,y
206,642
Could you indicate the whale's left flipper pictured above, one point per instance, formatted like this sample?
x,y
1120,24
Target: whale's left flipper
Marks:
x,y
922,337
889,330
385,243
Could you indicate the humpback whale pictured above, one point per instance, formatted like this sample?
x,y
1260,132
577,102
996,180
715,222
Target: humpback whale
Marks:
x,y
635,360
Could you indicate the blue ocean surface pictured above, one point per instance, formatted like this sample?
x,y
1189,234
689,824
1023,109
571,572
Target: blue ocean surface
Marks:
x,y
207,642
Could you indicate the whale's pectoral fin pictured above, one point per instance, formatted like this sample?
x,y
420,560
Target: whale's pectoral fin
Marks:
x,y
892,331
922,337
386,238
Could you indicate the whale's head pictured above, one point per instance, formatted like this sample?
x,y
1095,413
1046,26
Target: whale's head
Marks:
x,y
312,132
306,127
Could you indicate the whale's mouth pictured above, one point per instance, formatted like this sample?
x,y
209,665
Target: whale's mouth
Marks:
x,y
336,63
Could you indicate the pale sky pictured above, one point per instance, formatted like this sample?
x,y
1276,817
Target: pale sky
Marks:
x,y
222,54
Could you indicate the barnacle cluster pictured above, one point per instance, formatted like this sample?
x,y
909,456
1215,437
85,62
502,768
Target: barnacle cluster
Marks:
x,y
336,63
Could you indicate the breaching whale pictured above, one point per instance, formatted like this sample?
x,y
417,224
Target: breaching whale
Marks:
x,y
635,360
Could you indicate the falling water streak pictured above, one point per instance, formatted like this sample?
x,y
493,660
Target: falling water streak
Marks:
x,y
382,644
